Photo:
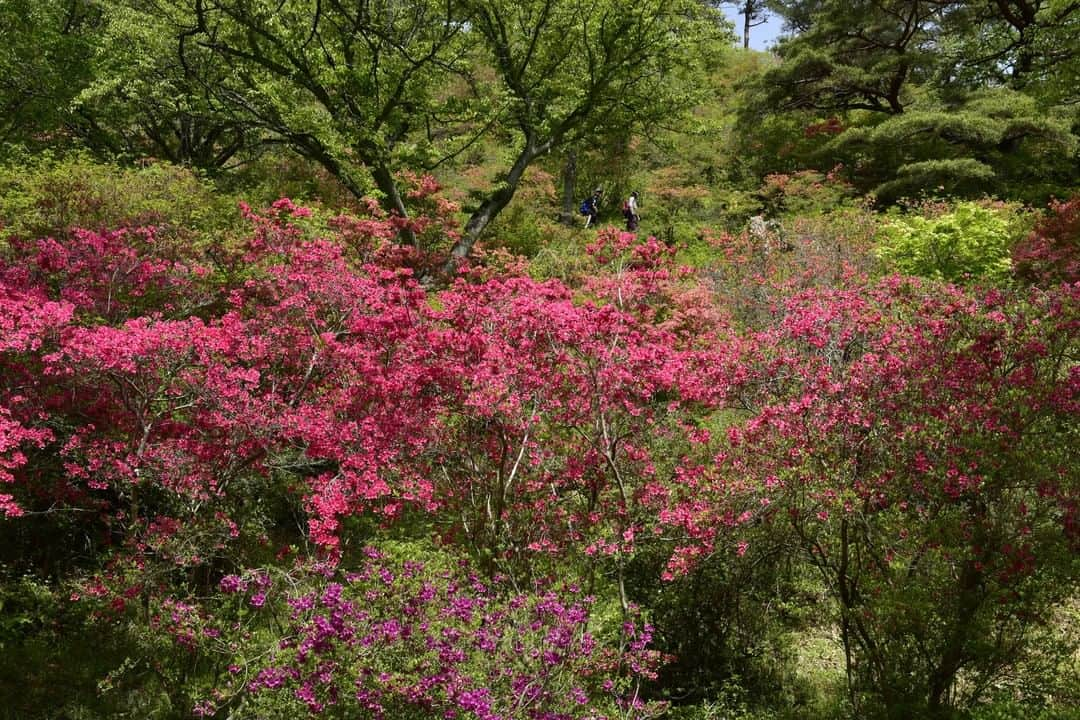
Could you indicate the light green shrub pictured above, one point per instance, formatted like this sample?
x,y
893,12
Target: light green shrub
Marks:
x,y
970,241
48,196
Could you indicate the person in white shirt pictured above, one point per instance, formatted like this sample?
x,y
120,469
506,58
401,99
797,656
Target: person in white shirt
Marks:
x,y
630,211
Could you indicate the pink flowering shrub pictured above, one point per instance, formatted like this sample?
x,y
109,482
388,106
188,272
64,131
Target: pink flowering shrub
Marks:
x,y
29,324
393,638
555,401
570,416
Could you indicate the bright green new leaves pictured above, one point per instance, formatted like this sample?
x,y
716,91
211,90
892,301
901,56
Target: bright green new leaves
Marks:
x,y
570,69
369,89
152,90
971,241
348,84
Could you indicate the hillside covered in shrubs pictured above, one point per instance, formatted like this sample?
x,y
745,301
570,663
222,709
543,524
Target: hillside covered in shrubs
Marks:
x,y
319,399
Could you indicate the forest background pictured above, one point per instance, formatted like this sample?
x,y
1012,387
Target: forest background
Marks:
x,y
317,398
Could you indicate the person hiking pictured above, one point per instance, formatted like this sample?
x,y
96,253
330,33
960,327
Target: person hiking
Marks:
x,y
630,212
590,206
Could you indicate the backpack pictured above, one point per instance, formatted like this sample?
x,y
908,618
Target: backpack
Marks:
x,y
586,206
626,208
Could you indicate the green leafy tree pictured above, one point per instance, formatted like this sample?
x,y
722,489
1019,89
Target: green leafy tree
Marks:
x,y
1018,43
991,141
351,86
963,98
864,54
42,64
366,90
850,56
151,92
569,74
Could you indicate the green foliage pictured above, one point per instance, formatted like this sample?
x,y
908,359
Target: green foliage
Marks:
x,y
43,64
994,141
959,177
965,99
273,175
828,68
970,241
999,142
728,628
525,227
1047,686
562,256
26,608
144,100
1010,709
49,196
569,79
54,663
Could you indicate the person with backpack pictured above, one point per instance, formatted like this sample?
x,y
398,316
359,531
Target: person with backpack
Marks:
x,y
630,212
590,207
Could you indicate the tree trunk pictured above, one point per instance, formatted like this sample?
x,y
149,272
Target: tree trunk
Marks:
x,y
748,14
1025,61
569,197
314,150
494,204
384,180
955,650
896,85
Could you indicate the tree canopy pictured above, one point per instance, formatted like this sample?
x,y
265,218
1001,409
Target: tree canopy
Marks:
x,y
968,97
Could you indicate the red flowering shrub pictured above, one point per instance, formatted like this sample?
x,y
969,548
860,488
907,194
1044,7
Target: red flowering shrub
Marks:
x,y
29,323
1051,253
913,439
